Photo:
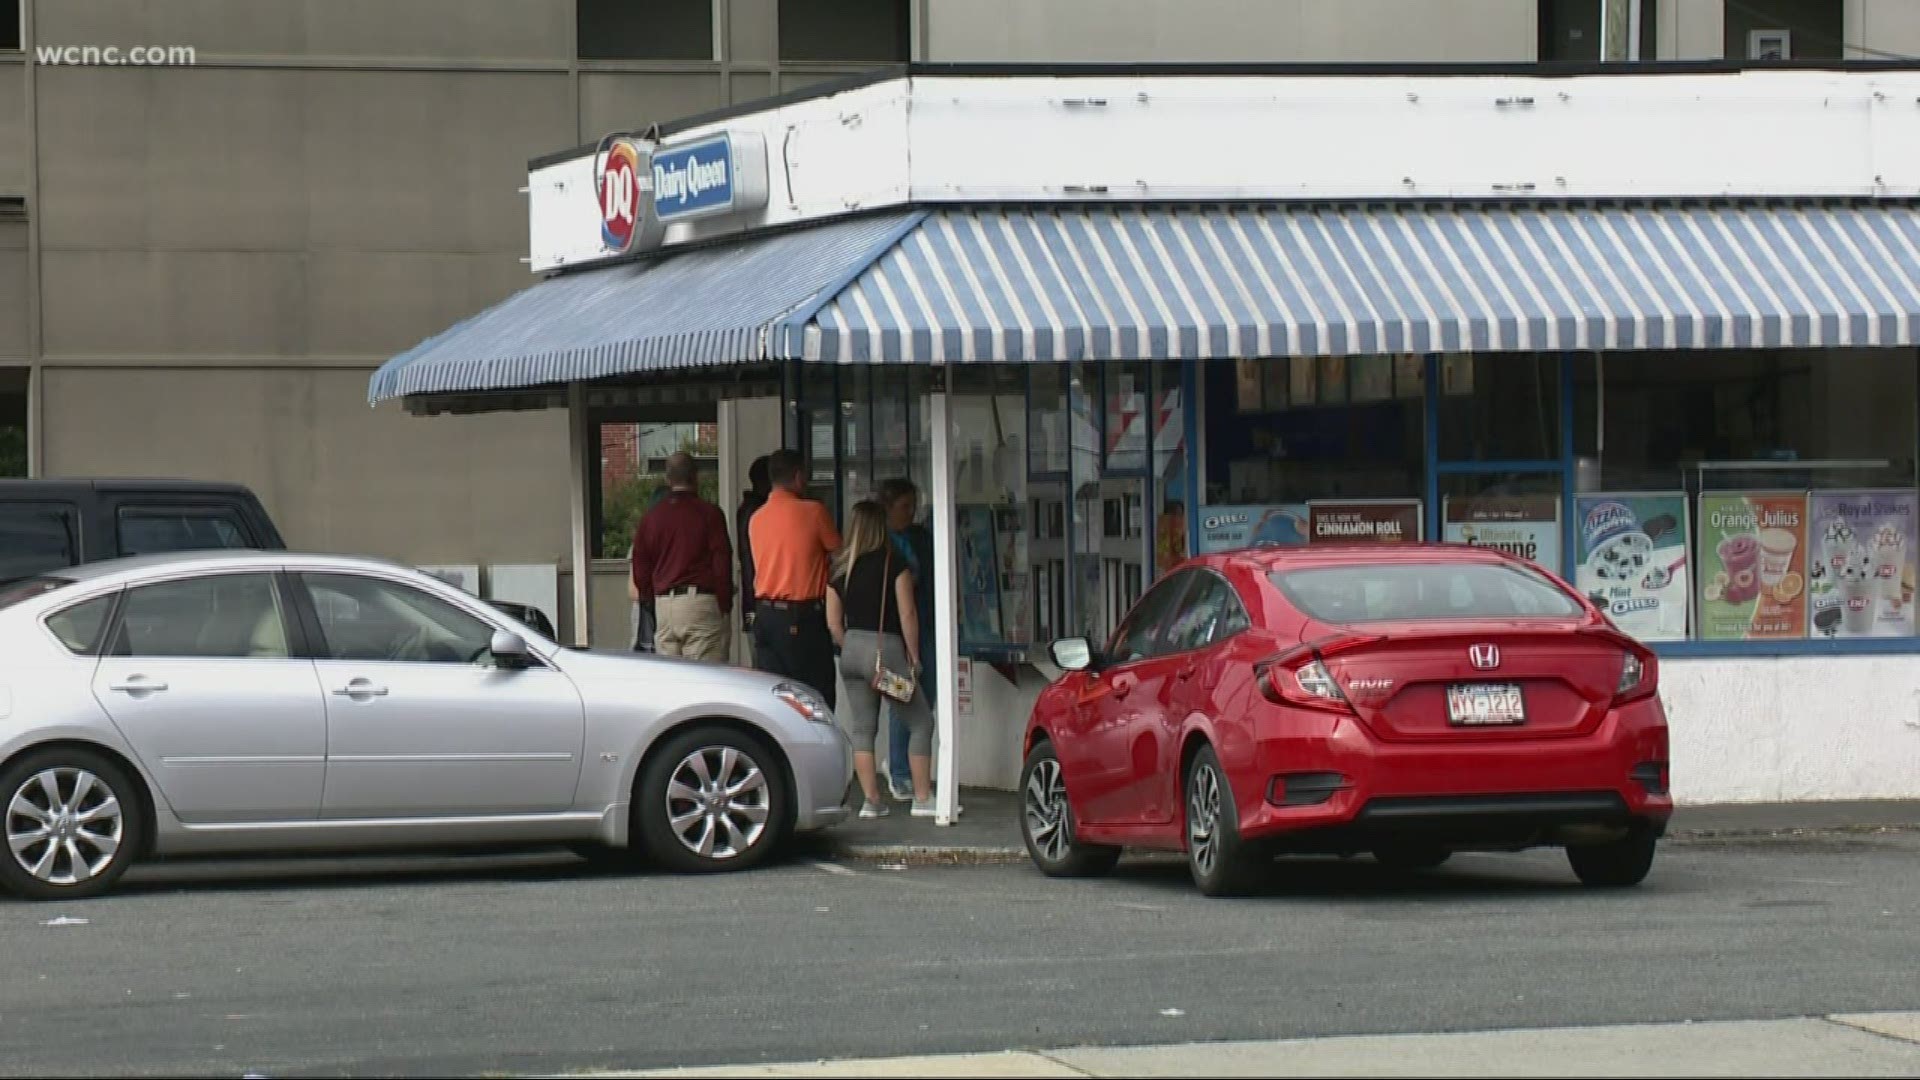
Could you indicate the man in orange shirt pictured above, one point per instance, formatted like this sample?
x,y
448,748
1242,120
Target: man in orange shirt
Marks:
x,y
792,537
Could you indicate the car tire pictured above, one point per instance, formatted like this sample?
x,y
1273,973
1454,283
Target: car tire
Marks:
x,y
712,798
1408,856
1047,825
74,821
1218,859
1617,864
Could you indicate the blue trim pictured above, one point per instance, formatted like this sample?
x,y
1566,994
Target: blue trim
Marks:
x,y
1685,650
1432,515
788,339
1568,564
1190,424
1539,465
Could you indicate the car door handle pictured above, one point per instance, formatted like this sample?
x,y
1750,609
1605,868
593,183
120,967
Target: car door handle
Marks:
x,y
1122,688
361,688
139,684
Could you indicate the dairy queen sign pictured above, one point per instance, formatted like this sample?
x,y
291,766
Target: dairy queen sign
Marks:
x,y
645,187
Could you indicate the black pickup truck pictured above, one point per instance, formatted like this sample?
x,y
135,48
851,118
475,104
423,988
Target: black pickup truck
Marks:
x,y
51,524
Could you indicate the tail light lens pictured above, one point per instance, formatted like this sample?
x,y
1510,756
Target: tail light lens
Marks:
x,y
1301,678
1636,677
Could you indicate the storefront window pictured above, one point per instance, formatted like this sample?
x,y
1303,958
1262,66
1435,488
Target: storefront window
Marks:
x,y
1500,407
989,417
633,455
1760,495
819,428
857,478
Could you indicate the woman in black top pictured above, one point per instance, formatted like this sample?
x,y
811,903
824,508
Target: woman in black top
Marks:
x,y
871,612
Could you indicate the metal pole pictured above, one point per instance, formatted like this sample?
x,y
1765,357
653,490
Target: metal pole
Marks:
x,y
946,615
579,476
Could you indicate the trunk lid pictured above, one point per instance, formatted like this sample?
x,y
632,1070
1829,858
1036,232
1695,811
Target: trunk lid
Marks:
x,y
1401,678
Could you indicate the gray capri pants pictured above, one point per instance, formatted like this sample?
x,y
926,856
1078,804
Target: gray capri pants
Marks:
x,y
859,709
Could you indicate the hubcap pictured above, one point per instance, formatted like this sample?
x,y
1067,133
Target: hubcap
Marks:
x,y
718,802
1203,819
1049,824
64,825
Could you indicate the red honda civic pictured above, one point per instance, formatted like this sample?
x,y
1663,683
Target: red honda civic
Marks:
x,y
1408,701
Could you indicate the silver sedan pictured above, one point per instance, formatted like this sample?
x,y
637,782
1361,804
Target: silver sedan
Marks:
x,y
269,702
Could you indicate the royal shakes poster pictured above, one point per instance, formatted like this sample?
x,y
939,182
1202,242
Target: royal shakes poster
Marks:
x,y
1753,565
1363,521
1861,575
1632,561
1523,525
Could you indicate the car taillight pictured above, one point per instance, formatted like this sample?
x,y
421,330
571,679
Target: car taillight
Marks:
x,y
1301,678
1636,677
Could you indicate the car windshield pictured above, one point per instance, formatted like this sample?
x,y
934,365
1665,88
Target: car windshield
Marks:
x,y
13,592
1382,592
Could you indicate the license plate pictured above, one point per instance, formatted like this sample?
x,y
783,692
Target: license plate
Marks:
x,y
1482,704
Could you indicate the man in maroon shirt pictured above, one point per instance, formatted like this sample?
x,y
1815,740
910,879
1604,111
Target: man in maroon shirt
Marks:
x,y
682,559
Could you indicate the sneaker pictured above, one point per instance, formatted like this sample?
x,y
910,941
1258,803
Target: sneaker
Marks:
x,y
901,792
924,809
874,810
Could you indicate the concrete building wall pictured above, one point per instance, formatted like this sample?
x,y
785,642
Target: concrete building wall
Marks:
x,y
1887,26
1691,29
13,289
1248,30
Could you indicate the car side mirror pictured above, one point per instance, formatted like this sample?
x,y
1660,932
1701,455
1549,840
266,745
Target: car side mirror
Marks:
x,y
509,650
1075,654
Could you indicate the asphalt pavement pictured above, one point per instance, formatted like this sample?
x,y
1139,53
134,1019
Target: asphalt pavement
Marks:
x,y
531,964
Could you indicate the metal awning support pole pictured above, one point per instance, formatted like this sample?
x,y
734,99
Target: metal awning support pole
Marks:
x,y
946,612
578,476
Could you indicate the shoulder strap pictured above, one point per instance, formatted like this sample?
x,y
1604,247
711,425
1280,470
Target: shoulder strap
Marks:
x,y
880,628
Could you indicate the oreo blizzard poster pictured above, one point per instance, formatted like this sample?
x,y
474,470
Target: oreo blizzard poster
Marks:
x,y
1633,561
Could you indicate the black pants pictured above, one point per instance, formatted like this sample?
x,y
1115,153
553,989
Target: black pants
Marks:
x,y
793,641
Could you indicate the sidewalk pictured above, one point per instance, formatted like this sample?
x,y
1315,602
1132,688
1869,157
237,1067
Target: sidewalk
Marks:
x,y
989,828
1870,1044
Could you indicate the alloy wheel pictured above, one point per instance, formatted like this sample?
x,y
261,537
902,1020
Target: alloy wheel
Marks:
x,y
1203,819
1048,822
65,825
718,802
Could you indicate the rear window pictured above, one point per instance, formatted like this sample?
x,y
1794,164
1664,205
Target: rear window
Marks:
x,y
1384,592
158,531
27,588
35,539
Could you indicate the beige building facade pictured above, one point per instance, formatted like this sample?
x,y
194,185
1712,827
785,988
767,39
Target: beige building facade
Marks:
x,y
201,263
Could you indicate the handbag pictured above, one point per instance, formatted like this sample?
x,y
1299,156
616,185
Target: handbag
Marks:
x,y
890,684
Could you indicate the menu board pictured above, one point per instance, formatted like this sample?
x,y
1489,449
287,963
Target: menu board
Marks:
x,y
1632,560
1363,521
1523,525
1224,528
1861,577
1753,565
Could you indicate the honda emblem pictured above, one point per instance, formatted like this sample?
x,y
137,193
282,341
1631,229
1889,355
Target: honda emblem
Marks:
x,y
1484,657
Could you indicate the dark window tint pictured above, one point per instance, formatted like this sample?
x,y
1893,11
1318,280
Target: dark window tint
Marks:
x,y
1210,613
35,539
28,588
364,618
1348,594
14,381
1141,635
9,25
838,30
646,29
78,627
1570,30
156,531
220,615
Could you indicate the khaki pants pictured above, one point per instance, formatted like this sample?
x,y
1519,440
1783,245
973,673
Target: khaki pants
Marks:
x,y
693,627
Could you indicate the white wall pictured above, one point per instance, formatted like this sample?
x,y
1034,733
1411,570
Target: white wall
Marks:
x,y
1748,730
1064,31
1794,728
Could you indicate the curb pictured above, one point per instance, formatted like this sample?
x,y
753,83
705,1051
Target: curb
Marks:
x,y
995,854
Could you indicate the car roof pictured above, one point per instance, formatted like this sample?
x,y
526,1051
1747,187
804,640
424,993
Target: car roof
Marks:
x,y
51,486
1336,554
141,565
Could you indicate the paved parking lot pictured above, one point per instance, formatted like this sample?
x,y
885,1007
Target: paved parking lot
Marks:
x,y
531,964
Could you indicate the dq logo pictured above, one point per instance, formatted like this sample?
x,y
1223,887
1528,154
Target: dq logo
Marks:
x,y
620,195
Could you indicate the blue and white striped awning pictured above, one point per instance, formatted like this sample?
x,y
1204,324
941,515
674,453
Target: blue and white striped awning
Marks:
x,y
1159,283
1140,282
